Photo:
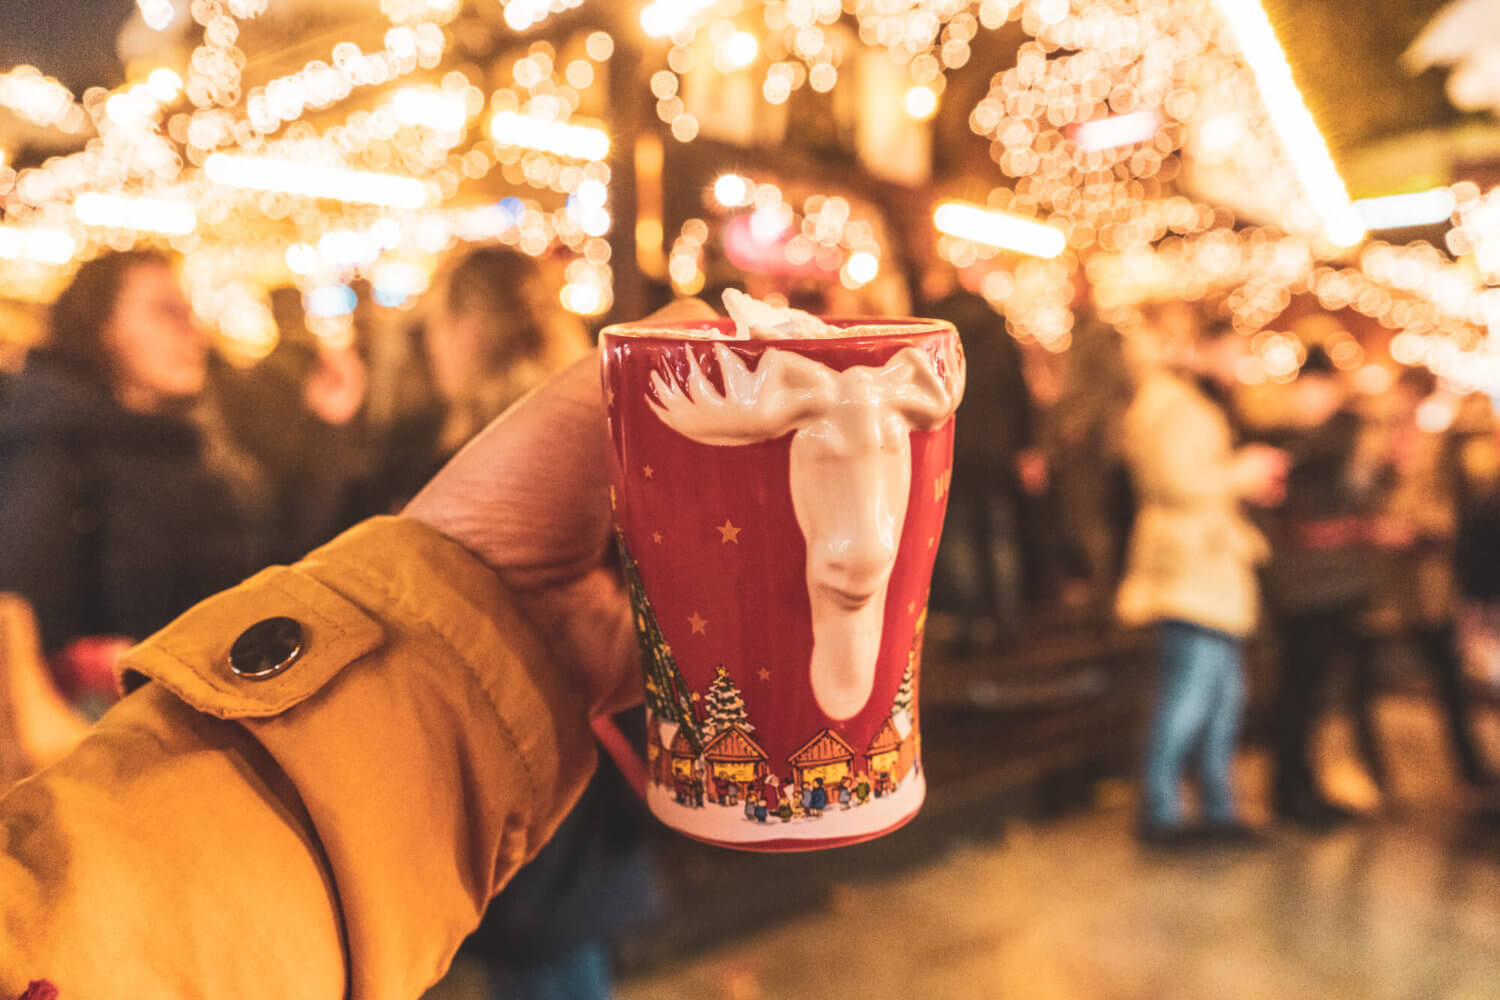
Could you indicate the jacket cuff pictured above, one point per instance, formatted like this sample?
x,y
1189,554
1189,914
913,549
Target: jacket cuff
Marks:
x,y
402,571
422,605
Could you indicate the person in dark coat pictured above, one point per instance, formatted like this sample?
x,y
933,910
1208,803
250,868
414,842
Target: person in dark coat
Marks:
x,y
819,799
981,560
492,332
295,412
119,508
1477,556
1320,582
1414,533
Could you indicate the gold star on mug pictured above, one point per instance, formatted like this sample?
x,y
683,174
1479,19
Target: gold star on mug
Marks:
x,y
728,532
699,624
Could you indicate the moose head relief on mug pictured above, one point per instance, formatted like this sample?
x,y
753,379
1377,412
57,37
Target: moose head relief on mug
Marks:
x,y
779,488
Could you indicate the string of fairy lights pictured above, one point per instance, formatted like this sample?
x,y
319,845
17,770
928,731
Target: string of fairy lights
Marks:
x,y
1155,148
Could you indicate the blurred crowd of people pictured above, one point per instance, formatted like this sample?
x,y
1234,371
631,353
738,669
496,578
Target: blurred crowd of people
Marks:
x,y
1344,520
1125,480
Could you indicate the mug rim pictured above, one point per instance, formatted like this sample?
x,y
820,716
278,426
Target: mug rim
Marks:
x,y
865,327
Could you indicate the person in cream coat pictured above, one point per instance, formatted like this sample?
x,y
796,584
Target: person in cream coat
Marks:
x,y
1191,571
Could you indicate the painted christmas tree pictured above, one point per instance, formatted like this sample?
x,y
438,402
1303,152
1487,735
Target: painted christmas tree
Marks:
x,y
904,692
725,705
909,676
667,693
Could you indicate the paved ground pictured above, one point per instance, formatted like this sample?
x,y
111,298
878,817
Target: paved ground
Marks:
x,y
1403,907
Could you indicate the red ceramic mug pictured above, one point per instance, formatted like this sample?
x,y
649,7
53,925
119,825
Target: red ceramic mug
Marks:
x,y
778,506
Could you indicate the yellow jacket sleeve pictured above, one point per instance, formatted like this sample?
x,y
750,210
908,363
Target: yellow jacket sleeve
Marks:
x,y
334,830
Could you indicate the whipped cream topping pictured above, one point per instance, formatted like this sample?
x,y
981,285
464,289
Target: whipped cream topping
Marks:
x,y
757,320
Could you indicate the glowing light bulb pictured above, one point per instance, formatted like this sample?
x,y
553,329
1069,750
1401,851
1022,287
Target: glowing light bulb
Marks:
x,y
164,85
157,14
731,190
740,50
591,193
583,298
921,102
862,267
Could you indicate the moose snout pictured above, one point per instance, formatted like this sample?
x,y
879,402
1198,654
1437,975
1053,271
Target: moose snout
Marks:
x,y
851,506
853,564
857,566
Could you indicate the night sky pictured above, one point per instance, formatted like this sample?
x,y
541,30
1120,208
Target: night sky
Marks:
x,y
73,40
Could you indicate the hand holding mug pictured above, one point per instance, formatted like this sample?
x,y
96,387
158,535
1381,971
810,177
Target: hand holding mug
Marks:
x,y
1260,473
530,496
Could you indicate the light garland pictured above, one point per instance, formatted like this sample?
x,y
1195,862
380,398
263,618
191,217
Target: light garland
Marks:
x,y
1106,106
685,261
213,77
1034,299
828,233
40,99
320,84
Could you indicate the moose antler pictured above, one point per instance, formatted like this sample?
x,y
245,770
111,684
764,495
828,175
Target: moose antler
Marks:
x,y
912,386
785,390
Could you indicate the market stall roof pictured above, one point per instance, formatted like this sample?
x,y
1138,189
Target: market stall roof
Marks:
x,y
74,39
1386,81
1149,140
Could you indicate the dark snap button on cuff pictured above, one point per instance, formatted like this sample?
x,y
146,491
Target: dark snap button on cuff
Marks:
x,y
266,648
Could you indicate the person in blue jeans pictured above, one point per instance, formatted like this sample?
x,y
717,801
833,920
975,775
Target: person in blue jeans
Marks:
x,y
1201,695
1192,566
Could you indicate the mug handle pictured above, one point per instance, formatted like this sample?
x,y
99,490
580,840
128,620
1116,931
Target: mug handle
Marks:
x,y
625,756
